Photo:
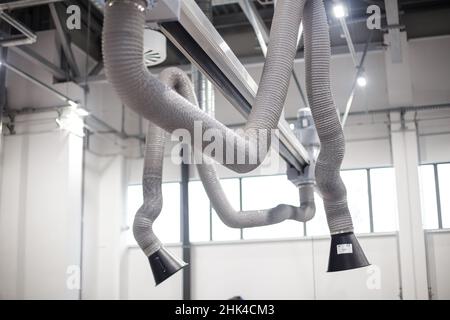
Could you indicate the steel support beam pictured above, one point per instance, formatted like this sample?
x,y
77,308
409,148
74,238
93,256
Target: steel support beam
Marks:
x,y
34,57
24,4
3,55
96,69
262,34
359,72
29,36
184,232
37,82
349,41
65,41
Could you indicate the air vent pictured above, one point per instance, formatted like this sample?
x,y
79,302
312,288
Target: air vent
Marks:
x,y
155,47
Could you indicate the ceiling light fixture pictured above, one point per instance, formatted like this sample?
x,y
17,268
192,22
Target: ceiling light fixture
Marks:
x,y
362,81
339,10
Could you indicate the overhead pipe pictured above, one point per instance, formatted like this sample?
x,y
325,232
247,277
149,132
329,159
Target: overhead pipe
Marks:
x,y
139,90
345,251
162,263
253,218
154,100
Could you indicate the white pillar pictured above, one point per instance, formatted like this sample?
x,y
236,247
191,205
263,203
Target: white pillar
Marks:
x,y
40,216
398,73
110,217
411,235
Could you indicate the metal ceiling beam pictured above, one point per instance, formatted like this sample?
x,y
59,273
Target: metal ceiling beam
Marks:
x,y
30,37
223,2
65,41
349,41
24,4
262,34
34,57
96,69
359,72
37,82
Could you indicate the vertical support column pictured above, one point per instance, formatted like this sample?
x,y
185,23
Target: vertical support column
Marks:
x,y
110,217
398,73
184,222
406,160
3,53
411,235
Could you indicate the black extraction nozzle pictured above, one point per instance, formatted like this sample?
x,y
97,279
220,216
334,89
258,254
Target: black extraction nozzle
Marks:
x,y
164,265
346,253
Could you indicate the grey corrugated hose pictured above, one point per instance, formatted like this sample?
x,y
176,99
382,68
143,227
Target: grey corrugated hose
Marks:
x,y
153,166
138,89
254,218
149,97
329,129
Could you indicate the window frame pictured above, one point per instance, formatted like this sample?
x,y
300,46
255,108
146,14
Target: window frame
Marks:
x,y
305,228
437,188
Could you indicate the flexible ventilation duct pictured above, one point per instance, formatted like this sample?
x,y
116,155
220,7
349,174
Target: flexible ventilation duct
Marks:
x,y
146,95
329,129
163,264
158,102
256,218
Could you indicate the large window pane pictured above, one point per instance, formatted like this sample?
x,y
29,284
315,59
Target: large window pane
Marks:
x,y
444,191
134,202
358,198
384,200
318,226
167,226
428,197
199,213
220,231
267,192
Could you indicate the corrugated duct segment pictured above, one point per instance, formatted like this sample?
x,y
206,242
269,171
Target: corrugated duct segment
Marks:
x,y
170,104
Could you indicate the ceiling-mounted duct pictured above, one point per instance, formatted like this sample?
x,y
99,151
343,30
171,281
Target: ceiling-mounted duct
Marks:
x,y
155,47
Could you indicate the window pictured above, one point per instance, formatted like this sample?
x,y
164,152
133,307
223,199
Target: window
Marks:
x,y
221,232
372,204
444,192
167,226
318,225
358,202
358,198
267,192
384,200
199,213
428,197
134,202
434,186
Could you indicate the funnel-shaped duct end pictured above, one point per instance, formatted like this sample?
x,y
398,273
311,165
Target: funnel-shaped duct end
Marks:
x,y
346,253
164,265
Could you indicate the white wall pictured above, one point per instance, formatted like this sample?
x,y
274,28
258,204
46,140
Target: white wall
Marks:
x,y
284,269
40,210
289,269
138,279
104,219
438,260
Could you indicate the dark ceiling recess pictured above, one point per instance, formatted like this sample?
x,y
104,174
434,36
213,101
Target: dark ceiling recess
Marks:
x,y
420,18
